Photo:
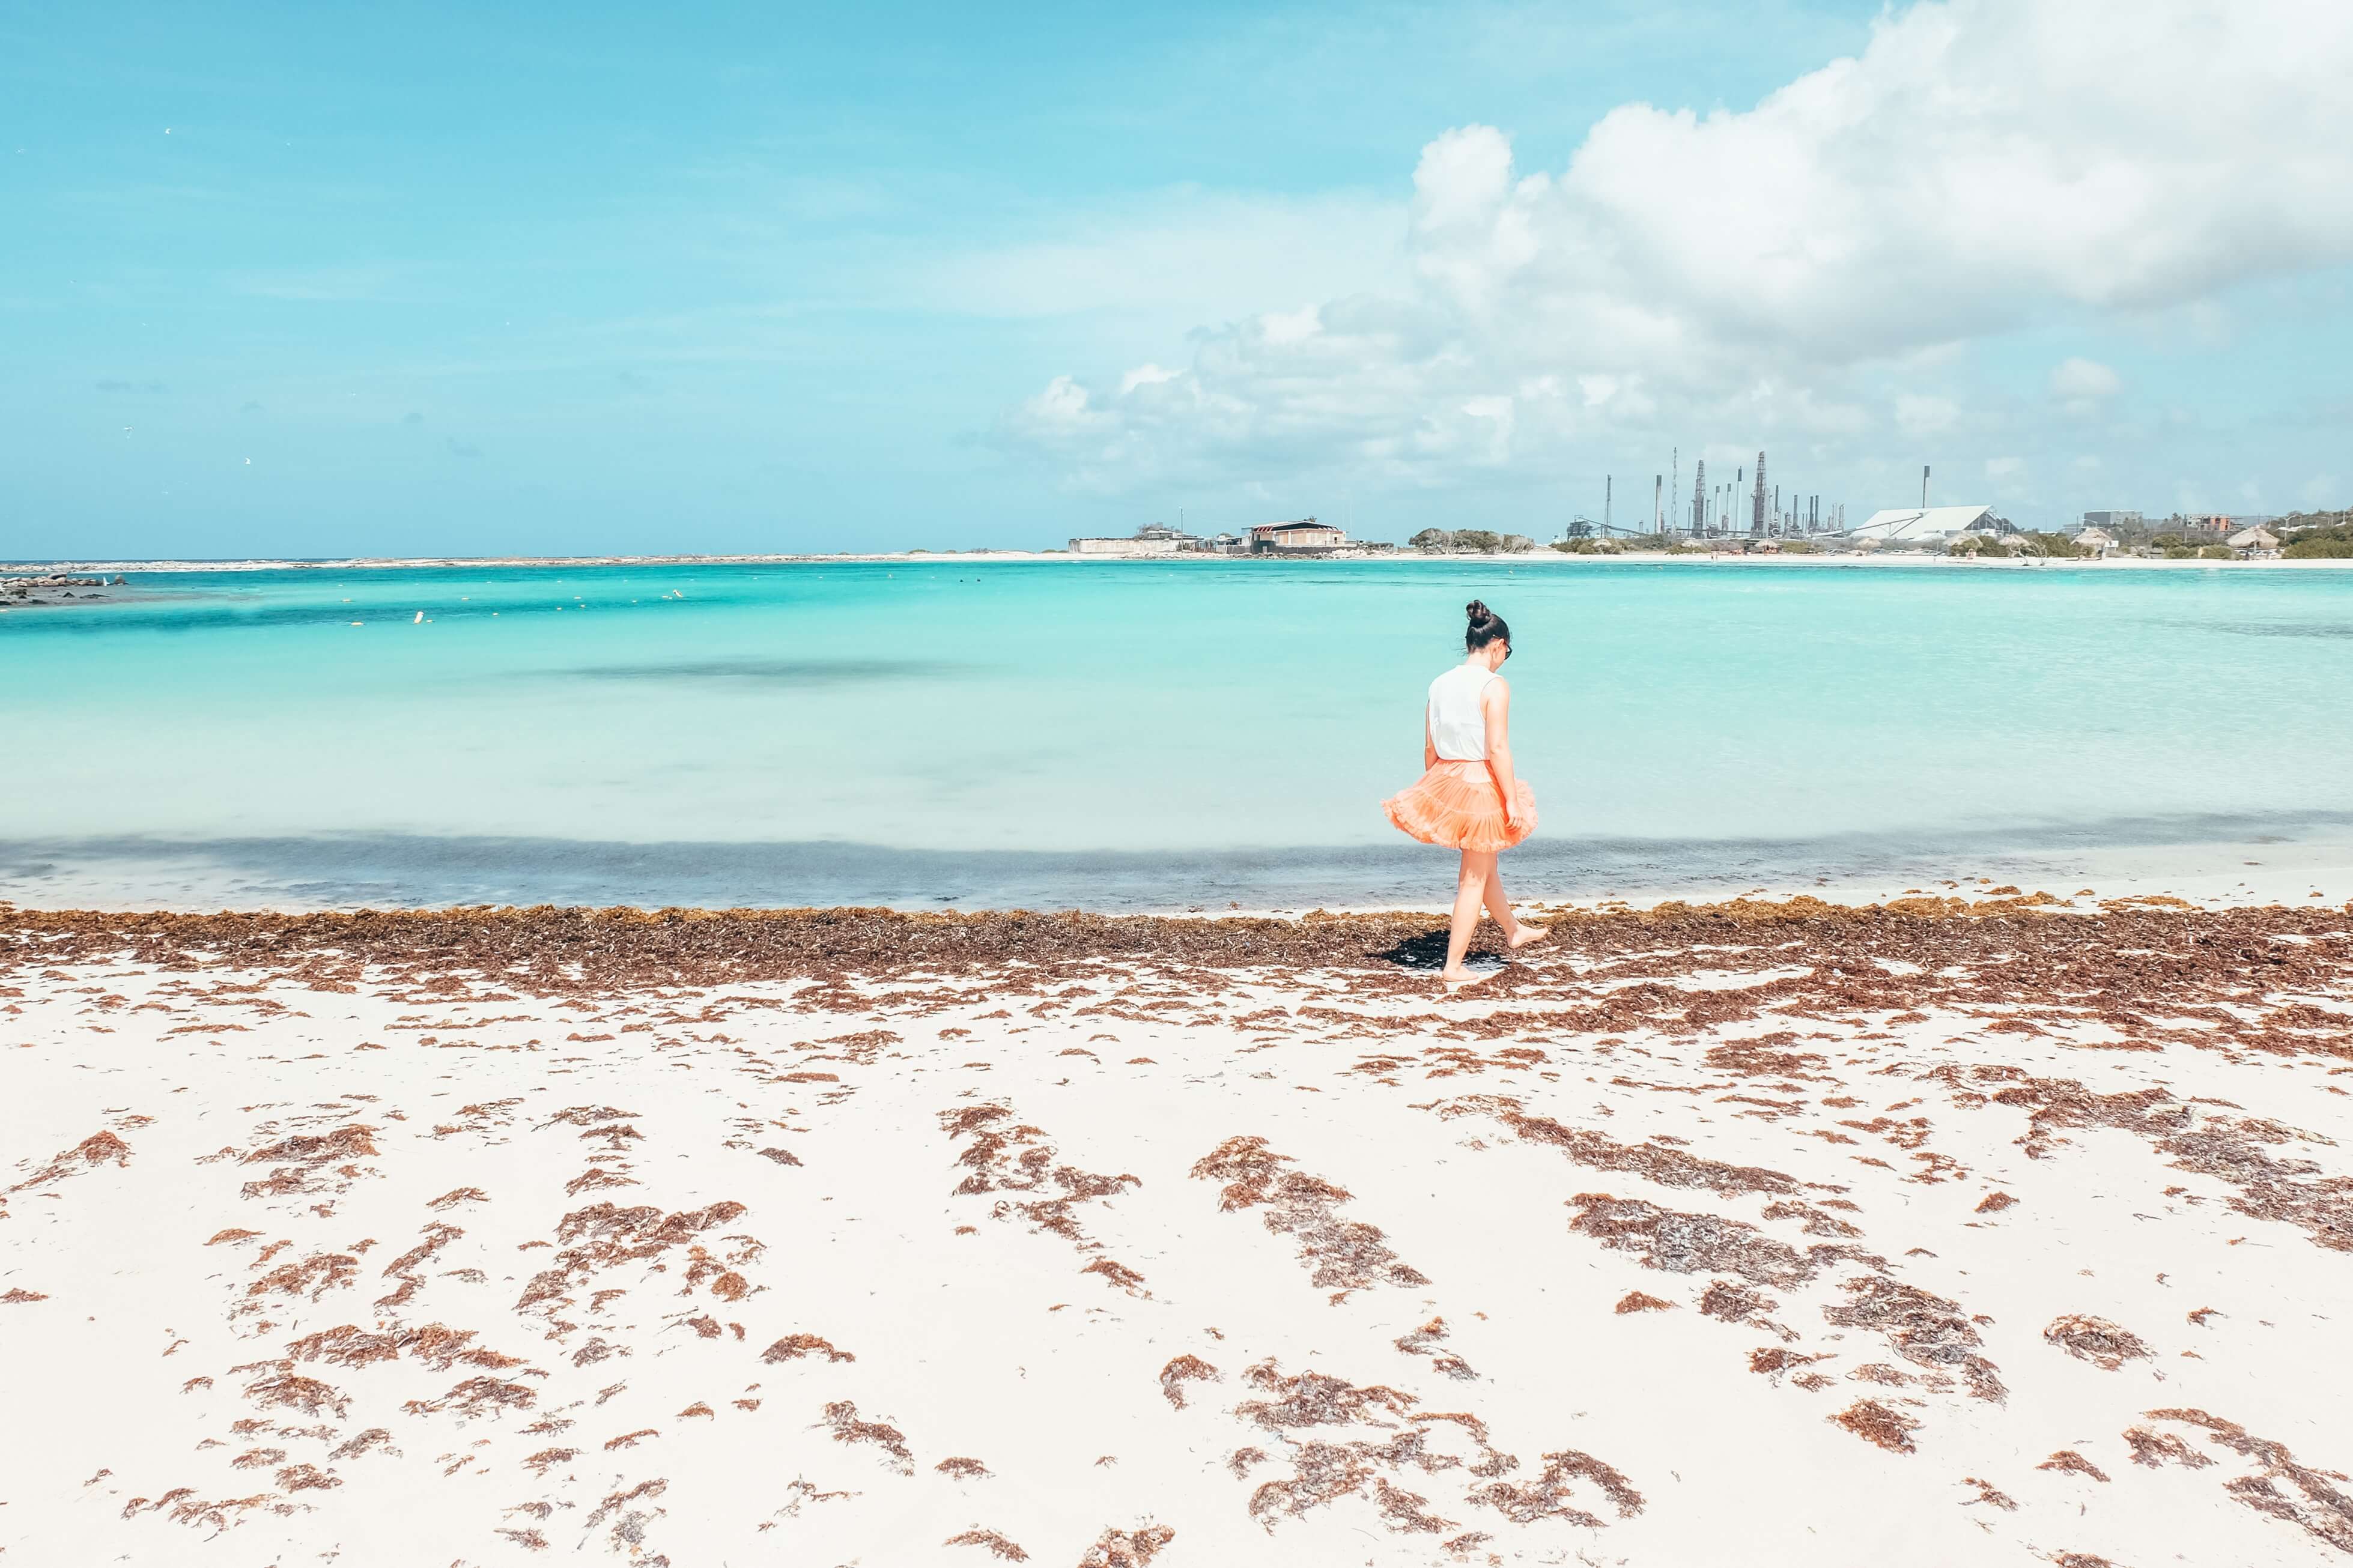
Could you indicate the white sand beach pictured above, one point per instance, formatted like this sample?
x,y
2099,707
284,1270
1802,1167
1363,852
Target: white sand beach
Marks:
x,y
1543,555
1745,1234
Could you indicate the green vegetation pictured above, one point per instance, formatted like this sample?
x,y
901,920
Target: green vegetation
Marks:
x,y
2325,542
1469,541
2319,548
1590,547
2056,545
1799,547
2053,546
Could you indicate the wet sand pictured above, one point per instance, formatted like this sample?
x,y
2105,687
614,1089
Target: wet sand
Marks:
x,y
2011,1230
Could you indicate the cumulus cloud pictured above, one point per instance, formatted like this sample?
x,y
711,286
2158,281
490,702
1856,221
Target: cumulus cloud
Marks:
x,y
1980,164
2084,386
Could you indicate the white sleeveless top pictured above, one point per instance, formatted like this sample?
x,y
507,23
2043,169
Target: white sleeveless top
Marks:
x,y
1456,725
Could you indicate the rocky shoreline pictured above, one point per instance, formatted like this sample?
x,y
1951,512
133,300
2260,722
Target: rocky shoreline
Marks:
x,y
51,588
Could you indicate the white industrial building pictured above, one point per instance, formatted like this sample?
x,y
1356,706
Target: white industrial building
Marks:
x,y
1909,524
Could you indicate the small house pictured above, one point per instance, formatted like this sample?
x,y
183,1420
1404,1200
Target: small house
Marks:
x,y
1276,538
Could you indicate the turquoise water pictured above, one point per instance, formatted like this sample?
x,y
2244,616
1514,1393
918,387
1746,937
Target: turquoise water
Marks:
x,y
1133,735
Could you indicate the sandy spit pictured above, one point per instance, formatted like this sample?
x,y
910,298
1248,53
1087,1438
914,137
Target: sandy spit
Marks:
x,y
1540,556
2012,1231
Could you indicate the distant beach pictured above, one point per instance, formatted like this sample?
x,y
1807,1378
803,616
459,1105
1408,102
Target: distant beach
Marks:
x,y
1541,555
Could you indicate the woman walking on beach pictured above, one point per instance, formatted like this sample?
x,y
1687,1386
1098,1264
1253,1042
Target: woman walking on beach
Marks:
x,y
1468,798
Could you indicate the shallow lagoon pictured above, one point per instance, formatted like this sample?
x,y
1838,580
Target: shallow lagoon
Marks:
x,y
1138,735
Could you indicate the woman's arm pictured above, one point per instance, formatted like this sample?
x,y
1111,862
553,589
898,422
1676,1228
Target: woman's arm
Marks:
x,y
1428,743
1495,707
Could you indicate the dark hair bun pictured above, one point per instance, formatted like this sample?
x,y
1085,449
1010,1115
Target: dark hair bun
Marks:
x,y
1486,626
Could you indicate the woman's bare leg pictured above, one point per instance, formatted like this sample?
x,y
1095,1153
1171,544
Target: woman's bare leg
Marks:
x,y
1469,892
1518,933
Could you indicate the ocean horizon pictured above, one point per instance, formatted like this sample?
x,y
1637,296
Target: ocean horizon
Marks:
x,y
1148,736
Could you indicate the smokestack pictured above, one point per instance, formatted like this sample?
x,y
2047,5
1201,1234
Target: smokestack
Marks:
x,y
1924,487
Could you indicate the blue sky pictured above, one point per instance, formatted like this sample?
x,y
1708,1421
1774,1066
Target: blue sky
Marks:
x,y
310,280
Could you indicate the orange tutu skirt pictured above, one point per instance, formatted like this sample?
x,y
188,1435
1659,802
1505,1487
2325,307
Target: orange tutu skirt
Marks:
x,y
1458,806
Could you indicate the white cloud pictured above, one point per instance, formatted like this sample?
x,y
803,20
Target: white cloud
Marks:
x,y
2004,467
2084,380
1982,162
1207,256
1143,375
1920,415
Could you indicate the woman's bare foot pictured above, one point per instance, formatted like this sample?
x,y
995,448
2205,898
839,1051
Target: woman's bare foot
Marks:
x,y
1456,979
1527,934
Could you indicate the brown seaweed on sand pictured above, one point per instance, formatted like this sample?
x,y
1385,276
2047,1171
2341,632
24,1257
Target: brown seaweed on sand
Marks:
x,y
1006,1155
1925,1329
1547,1496
296,1160
793,1347
603,1235
1424,1341
98,1149
1127,1548
2067,1460
2094,1340
1876,1422
1345,1254
2320,1509
1668,1166
841,1417
2235,1149
1683,1242
1180,1371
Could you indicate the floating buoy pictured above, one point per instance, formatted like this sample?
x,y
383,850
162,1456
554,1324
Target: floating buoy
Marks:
x,y
420,620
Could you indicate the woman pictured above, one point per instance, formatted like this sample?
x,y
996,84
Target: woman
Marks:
x,y
1468,797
